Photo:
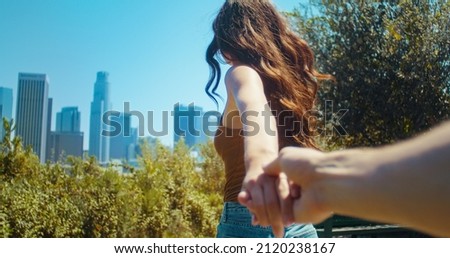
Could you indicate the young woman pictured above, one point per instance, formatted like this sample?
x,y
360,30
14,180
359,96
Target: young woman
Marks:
x,y
272,69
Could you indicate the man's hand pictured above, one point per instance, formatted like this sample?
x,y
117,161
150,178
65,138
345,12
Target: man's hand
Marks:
x,y
300,166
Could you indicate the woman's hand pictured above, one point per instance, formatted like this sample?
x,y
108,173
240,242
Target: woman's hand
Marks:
x,y
269,200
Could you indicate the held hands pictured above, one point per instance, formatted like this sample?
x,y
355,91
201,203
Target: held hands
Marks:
x,y
275,198
270,199
303,167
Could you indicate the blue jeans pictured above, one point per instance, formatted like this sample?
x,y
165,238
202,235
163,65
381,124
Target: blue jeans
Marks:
x,y
236,222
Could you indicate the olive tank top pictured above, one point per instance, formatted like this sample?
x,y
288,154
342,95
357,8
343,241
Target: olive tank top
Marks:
x,y
229,144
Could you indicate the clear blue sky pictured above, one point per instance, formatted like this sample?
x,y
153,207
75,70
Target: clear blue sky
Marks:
x,y
152,49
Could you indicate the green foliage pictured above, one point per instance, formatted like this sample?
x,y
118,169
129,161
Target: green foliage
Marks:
x,y
170,194
391,61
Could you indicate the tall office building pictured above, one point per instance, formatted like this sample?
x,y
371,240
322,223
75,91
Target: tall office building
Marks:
x,y
66,140
98,144
49,128
6,99
68,120
188,124
32,112
122,146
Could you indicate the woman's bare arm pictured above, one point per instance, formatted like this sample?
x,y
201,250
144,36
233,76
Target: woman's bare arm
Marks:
x,y
261,146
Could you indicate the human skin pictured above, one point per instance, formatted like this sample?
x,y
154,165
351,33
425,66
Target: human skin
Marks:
x,y
264,193
406,183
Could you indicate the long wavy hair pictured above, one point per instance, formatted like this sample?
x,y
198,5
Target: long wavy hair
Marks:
x,y
255,34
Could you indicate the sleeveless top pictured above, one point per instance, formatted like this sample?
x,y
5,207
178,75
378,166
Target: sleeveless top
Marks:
x,y
229,144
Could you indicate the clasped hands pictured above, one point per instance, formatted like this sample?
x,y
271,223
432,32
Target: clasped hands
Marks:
x,y
270,200
285,191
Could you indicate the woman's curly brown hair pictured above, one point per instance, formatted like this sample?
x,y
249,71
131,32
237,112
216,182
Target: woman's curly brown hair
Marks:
x,y
255,34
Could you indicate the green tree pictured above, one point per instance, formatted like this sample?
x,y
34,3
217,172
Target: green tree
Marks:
x,y
391,64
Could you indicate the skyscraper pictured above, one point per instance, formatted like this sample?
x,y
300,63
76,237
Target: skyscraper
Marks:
x,y
98,144
49,128
32,112
66,140
6,99
188,124
68,120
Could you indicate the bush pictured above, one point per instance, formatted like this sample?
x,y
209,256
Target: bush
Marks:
x,y
170,194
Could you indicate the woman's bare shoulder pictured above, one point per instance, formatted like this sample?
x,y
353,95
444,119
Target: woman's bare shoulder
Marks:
x,y
239,75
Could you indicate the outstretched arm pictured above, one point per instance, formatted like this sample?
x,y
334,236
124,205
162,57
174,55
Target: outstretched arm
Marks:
x,y
260,192
406,183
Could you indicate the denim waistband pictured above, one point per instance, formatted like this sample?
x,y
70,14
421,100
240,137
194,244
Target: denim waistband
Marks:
x,y
236,217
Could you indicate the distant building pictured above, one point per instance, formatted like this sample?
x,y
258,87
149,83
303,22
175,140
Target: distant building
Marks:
x,y
32,112
6,102
123,143
98,144
49,129
68,120
65,144
66,140
188,124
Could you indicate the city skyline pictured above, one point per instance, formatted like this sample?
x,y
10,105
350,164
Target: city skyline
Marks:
x,y
153,50
32,101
